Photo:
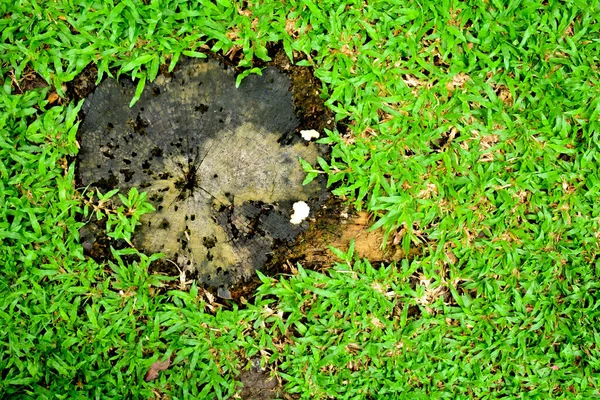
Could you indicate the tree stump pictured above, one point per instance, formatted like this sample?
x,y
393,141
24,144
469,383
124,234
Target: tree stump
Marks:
x,y
220,164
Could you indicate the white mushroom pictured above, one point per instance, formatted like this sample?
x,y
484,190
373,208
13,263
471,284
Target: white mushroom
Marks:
x,y
301,211
309,134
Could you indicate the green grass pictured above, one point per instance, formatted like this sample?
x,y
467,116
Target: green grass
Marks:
x,y
473,134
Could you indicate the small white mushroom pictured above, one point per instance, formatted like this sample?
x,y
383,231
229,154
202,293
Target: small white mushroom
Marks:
x,y
309,134
301,211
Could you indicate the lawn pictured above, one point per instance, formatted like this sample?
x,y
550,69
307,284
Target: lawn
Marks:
x,y
468,130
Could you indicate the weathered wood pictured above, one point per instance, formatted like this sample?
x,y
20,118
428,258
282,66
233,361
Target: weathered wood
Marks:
x,y
220,164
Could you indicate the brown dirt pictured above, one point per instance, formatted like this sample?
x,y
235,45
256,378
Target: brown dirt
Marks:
x,y
83,84
29,80
336,225
258,384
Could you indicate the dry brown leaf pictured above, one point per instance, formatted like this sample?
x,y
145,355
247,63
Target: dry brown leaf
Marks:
x,y
155,368
52,97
